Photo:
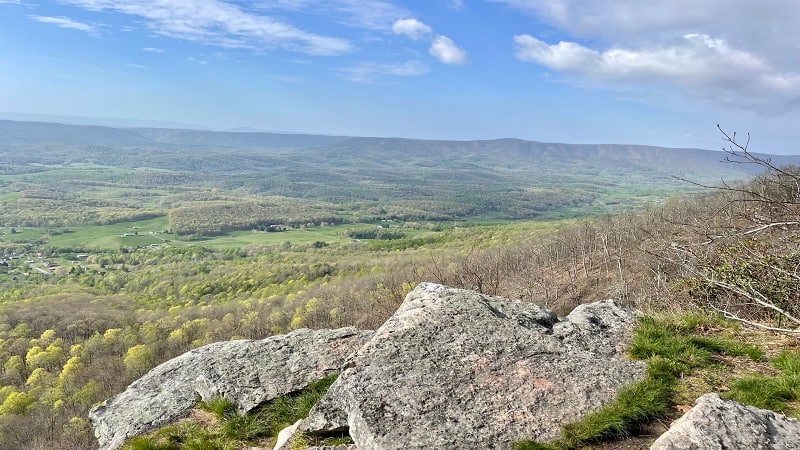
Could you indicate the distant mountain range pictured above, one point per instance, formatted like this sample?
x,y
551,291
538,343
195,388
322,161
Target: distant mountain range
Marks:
x,y
386,177
17,132
258,149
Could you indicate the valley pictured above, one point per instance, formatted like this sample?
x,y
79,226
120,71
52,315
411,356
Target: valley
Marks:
x,y
123,248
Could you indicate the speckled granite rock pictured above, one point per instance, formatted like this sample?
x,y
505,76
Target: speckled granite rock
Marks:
x,y
456,369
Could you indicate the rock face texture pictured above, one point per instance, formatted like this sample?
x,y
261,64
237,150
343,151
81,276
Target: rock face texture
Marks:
x,y
456,369
247,372
718,424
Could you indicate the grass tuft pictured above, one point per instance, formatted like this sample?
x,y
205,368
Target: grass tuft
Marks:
x,y
533,445
774,392
243,427
673,347
284,411
149,443
236,430
221,407
635,405
788,362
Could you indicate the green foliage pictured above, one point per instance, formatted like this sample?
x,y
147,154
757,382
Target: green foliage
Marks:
x,y
533,445
221,407
216,217
772,392
672,349
241,427
375,233
679,349
149,443
236,429
788,362
284,411
635,405
17,403
139,358
119,306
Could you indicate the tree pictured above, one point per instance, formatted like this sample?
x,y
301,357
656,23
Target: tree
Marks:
x,y
139,359
748,269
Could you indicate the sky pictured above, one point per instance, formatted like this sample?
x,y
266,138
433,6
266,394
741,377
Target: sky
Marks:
x,y
578,71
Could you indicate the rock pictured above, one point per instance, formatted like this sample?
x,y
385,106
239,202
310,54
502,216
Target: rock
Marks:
x,y
246,372
715,423
595,327
456,369
284,440
334,447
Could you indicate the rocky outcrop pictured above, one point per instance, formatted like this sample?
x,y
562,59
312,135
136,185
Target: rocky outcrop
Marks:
x,y
456,369
245,371
717,424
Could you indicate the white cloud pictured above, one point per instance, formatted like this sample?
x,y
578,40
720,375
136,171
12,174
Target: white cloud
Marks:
x,y
412,28
153,50
698,59
216,22
136,66
10,2
730,52
442,47
367,72
704,66
65,22
445,50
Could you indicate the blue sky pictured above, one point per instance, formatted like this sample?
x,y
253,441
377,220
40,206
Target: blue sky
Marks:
x,y
582,71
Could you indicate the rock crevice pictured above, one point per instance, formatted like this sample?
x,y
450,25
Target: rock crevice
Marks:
x,y
457,369
246,372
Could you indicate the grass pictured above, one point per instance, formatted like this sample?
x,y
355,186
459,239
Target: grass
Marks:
x,y
636,404
772,392
238,239
234,429
284,411
673,347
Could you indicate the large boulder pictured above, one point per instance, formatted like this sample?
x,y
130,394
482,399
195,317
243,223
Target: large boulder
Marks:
x,y
246,372
715,423
456,369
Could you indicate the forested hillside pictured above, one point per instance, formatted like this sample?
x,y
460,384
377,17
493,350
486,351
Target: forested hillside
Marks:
x,y
59,176
109,267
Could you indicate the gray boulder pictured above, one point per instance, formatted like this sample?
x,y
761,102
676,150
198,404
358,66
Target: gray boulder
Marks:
x,y
246,372
456,369
717,424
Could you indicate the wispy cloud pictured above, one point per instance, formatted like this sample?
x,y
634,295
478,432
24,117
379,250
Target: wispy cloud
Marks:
x,y
442,47
366,14
412,28
136,66
457,5
197,60
10,2
445,50
153,50
367,72
65,22
219,23
370,14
